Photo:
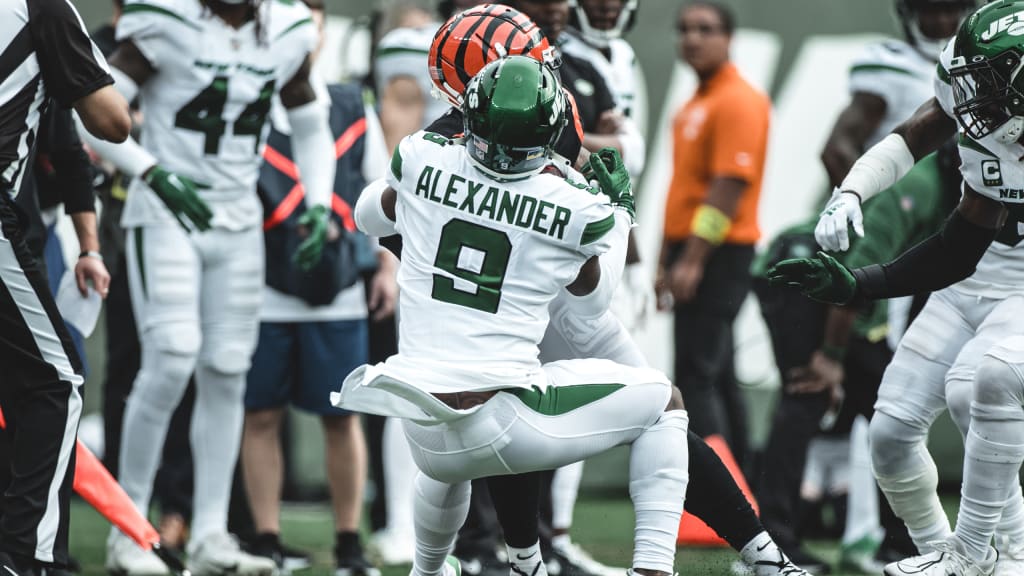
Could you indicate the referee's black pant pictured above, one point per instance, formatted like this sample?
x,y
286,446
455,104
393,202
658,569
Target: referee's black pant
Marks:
x,y
41,374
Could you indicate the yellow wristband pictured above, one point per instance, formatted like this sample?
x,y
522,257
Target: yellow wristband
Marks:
x,y
711,224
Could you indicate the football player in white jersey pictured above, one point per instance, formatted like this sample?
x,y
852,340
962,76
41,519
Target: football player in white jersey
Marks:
x,y
964,349
205,72
888,81
489,241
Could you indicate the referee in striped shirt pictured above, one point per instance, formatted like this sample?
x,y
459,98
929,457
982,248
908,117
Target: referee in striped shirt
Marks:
x,y
46,54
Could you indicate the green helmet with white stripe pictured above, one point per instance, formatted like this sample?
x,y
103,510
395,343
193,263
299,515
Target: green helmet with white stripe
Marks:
x,y
986,72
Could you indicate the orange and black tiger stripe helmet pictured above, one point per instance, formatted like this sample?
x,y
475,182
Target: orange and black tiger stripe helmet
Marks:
x,y
471,39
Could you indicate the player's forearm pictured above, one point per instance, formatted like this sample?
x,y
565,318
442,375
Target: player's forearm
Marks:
x,y
595,142
611,265
129,156
942,260
370,215
879,168
838,326
85,230
314,151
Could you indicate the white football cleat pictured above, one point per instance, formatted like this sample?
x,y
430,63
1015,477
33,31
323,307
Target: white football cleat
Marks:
x,y
1011,557
387,548
781,567
946,559
220,554
126,558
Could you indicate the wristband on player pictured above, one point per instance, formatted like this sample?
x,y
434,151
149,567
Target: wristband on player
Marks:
x,y
837,353
90,254
711,224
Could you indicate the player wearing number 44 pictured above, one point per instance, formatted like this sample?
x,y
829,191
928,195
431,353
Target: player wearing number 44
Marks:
x,y
204,72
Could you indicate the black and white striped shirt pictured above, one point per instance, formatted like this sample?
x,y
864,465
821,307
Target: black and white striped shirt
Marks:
x,y
46,52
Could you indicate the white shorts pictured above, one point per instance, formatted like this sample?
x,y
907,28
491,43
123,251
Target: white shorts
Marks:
x,y
946,340
589,407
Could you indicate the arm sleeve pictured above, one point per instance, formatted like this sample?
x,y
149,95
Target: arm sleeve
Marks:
x,y
612,262
71,164
895,218
375,151
313,149
739,140
369,213
71,65
945,258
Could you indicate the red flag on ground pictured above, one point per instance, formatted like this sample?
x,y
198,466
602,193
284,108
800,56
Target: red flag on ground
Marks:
x,y
692,530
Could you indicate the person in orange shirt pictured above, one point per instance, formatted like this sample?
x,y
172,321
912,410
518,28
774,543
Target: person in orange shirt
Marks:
x,y
720,138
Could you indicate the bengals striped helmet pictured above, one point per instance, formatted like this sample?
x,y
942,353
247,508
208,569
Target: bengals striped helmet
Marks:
x,y
471,39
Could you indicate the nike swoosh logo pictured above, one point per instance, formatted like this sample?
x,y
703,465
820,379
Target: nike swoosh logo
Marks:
x,y
8,568
532,554
766,544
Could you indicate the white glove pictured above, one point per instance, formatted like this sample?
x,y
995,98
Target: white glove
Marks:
x,y
634,297
831,232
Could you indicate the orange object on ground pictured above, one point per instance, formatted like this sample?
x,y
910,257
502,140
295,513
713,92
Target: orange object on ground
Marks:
x,y
94,483
692,530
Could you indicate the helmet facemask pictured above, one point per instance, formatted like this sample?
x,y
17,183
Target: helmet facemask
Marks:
x,y
987,100
601,38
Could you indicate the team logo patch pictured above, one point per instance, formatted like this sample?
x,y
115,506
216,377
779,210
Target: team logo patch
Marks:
x,y
583,87
1013,25
991,173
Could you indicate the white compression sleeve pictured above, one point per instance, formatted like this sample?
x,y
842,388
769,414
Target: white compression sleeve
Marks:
x,y
879,168
612,263
369,213
634,150
314,151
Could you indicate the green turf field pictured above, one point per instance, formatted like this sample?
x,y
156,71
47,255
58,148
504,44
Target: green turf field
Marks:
x,y
604,527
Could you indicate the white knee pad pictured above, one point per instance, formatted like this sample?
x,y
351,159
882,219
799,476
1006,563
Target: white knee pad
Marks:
x,y
230,351
658,476
959,392
999,386
893,442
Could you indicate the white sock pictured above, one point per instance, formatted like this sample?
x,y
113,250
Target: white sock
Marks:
x,y
440,510
565,487
1010,531
399,472
907,476
994,450
156,392
761,548
526,561
216,435
862,501
658,475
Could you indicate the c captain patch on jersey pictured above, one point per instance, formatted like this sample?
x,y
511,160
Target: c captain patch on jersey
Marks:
x,y
991,173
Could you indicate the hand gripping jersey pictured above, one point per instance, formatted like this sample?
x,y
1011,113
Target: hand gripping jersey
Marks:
x,y
897,73
994,170
205,108
481,260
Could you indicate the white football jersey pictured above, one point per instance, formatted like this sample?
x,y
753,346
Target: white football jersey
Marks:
x,y
481,261
994,170
403,52
620,71
897,73
206,106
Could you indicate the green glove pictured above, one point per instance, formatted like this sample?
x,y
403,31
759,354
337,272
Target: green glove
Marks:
x,y
181,195
821,278
607,168
309,252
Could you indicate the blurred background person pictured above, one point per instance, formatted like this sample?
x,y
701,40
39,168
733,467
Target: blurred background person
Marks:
x,y
720,139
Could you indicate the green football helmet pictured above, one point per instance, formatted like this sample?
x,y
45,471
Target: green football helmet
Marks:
x,y
513,112
985,72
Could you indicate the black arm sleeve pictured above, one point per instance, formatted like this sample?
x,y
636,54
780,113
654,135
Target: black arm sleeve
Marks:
x,y
71,65
71,164
945,258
